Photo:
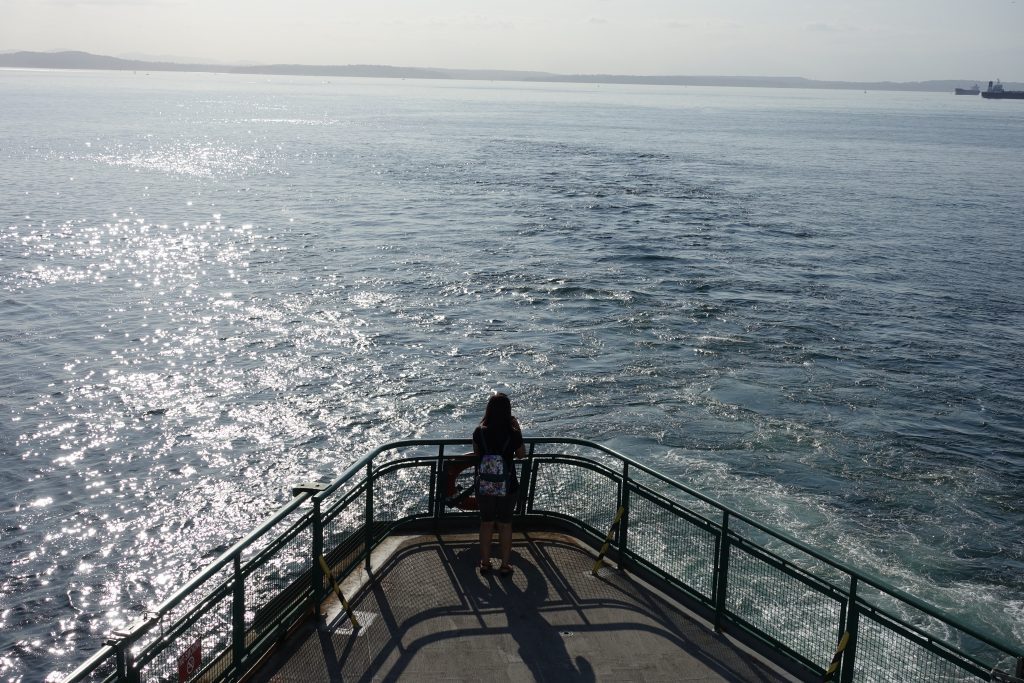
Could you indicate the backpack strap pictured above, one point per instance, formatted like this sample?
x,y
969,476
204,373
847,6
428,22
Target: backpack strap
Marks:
x,y
504,446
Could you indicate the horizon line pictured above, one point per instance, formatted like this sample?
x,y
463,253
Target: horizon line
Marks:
x,y
527,75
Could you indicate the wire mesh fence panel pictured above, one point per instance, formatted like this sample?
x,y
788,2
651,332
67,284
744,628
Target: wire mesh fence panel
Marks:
x,y
576,450
272,534
906,617
785,550
103,674
559,448
674,544
401,493
202,651
392,455
677,495
886,654
216,582
576,491
783,607
273,584
200,601
345,506
343,539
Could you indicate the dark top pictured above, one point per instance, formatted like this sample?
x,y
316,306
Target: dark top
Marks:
x,y
496,440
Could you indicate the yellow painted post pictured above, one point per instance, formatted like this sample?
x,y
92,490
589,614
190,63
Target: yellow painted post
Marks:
x,y
337,590
830,672
608,540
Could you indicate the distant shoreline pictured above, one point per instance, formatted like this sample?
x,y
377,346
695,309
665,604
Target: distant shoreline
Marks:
x,y
86,61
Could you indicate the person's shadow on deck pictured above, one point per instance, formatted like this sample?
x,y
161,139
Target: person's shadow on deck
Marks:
x,y
541,645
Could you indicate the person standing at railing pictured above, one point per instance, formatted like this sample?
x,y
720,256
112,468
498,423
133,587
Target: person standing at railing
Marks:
x,y
496,442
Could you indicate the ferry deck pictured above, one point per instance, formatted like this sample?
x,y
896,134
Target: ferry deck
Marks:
x,y
425,613
622,573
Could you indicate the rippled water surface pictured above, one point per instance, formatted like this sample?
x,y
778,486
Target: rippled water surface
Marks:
x,y
806,303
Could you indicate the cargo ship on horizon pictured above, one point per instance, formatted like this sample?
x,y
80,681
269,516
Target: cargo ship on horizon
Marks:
x,y
996,91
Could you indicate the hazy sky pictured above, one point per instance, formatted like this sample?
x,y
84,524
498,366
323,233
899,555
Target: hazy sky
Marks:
x,y
826,39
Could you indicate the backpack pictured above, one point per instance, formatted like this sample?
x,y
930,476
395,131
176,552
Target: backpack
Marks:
x,y
493,475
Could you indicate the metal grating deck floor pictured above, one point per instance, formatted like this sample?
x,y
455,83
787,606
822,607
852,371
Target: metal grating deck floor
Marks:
x,y
428,615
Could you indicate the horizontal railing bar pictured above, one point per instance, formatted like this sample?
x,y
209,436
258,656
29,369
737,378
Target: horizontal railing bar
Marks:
x,y
766,556
782,536
549,514
358,465
94,662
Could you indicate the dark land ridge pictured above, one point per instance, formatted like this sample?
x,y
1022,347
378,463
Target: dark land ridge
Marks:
x,y
85,60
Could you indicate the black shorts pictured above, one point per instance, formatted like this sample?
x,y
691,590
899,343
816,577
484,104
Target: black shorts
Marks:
x,y
497,508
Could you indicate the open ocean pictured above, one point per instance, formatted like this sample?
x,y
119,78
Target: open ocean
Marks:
x,y
808,304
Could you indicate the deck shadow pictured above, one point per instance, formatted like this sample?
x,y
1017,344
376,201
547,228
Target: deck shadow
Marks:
x,y
429,615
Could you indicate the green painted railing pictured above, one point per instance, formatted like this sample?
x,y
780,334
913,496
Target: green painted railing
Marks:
x,y
792,600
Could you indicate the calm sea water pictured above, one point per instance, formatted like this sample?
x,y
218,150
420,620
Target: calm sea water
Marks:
x,y
809,304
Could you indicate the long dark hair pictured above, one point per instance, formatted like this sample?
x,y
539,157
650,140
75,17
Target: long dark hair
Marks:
x,y
498,414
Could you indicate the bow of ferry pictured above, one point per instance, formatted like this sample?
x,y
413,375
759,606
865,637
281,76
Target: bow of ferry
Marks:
x,y
621,572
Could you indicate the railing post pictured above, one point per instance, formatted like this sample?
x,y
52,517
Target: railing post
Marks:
x,y
722,574
129,663
121,642
369,511
852,619
122,660
440,484
316,578
530,477
238,614
624,521
317,574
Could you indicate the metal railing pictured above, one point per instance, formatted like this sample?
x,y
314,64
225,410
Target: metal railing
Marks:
x,y
795,601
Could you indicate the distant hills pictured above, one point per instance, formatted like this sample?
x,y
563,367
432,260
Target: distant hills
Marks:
x,y
85,60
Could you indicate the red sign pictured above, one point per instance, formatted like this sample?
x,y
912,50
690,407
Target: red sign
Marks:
x,y
190,661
